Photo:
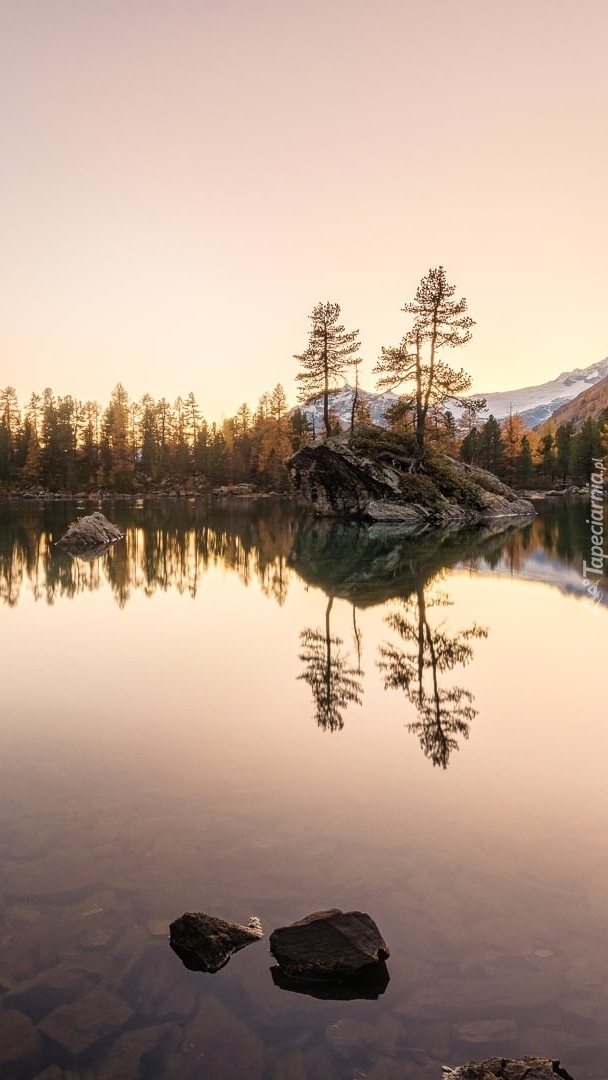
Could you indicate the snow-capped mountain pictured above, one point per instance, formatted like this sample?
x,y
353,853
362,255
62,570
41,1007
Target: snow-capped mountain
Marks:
x,y
536,403
533,403
341,406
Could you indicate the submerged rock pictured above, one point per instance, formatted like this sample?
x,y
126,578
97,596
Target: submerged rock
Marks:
x,y
332,946
525,1068
91,534
91,1019
204,943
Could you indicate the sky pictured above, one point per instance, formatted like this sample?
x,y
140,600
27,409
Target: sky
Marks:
x,y
182,181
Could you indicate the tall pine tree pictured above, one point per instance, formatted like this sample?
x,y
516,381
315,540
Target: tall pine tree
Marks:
x,y
331,350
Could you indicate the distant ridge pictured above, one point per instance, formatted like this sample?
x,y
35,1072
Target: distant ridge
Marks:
x,y
537,403
590,402
534,404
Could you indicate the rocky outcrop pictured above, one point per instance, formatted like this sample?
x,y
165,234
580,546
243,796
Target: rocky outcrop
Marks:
x,y
332,946
90,534
525,1068
204,943
339,481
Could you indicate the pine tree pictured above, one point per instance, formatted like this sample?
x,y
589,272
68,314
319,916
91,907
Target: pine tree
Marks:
x,y
331,350
438,322
585,447
524,463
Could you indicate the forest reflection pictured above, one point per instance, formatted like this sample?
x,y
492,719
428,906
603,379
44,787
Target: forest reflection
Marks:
x,y
171,544
167,545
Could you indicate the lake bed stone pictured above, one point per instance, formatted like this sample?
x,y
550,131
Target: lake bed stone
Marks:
x,y
58,986
80,1025
19,1042
482,1032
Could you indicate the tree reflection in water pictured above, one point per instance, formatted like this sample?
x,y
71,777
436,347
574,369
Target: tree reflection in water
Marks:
x,y
335,684
444,712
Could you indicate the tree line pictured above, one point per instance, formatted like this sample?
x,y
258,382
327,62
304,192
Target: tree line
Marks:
x,y
62,444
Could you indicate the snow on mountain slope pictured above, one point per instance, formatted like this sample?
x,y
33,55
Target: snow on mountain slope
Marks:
x,y
536,403
341,406
533,403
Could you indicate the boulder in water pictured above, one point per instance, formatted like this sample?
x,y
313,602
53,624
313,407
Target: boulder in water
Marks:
x,y
92,533
205,943
333,946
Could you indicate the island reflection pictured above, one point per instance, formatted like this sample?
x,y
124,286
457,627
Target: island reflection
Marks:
x,y
376,566
170,545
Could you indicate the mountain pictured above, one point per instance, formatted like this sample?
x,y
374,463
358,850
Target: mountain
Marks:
x,y
590,402
536,403
341,405
533,403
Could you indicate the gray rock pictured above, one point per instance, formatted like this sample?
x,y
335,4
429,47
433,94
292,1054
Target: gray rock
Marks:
x,y
91,534
525,1068
205,943
332,945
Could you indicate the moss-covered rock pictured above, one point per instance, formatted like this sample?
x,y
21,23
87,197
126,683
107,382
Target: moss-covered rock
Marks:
x,y
374,479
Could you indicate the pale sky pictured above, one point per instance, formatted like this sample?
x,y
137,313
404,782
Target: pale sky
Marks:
x,y
183,180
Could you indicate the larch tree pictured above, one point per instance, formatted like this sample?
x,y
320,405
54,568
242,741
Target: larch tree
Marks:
x,y
331,351
439,322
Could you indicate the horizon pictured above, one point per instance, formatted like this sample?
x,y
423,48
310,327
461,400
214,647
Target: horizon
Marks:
x,y
184,182
23,400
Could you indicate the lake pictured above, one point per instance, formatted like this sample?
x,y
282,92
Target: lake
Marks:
x,y
241,710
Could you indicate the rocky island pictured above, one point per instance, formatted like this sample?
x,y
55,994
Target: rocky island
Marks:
x,y
370,477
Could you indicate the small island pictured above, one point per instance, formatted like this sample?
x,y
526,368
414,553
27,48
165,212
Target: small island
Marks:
x,y
374,476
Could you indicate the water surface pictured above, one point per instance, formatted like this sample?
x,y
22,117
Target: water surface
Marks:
x,y
241,710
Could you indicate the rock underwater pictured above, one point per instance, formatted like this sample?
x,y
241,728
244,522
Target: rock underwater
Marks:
x,y
90,535
205,943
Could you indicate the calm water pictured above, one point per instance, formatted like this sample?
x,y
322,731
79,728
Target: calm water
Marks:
x,y
243,711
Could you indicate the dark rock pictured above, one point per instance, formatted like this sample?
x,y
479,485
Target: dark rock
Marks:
x,y
204,943
525,1068
341,482
92,534
332,945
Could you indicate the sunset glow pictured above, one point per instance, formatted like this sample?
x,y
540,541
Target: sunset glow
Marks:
x,y
183,180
